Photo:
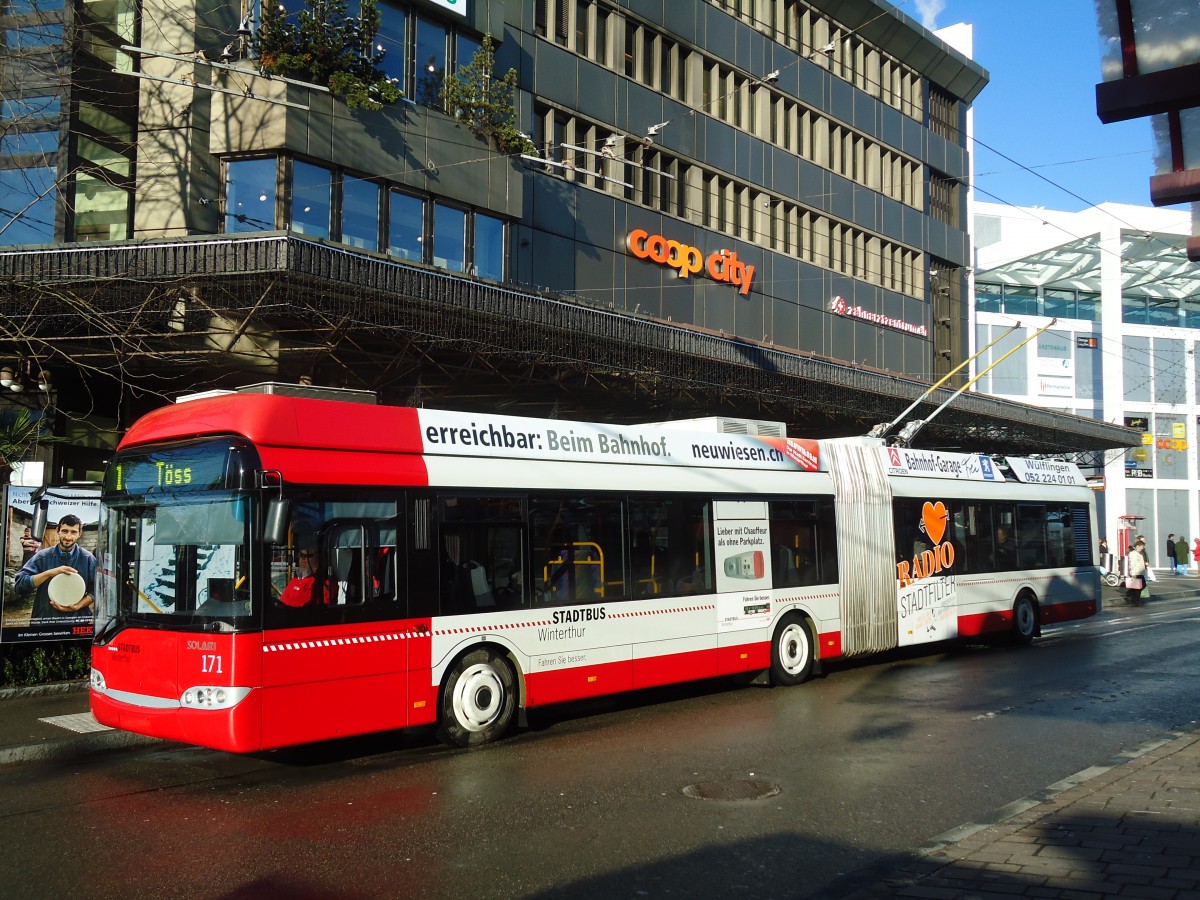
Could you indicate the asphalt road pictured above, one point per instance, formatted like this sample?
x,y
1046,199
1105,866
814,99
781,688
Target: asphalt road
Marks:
x,y
870,760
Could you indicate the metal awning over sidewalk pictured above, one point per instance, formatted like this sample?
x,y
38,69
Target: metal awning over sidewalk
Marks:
x,y
243,306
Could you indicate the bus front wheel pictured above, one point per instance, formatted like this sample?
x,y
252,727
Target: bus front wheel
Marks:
x,y
1024,621
791,651
478,700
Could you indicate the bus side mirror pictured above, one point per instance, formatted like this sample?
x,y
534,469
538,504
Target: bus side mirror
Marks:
x,y
39,520
276,530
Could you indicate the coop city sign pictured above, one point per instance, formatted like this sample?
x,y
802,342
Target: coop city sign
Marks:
x,y
723,265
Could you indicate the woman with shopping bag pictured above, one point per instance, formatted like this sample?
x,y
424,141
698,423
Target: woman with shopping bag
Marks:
x,y
1135,573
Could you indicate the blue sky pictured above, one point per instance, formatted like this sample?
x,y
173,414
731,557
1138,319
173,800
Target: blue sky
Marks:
x,y
1040,108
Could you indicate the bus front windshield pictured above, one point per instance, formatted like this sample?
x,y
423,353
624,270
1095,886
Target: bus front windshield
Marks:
x,y
181,564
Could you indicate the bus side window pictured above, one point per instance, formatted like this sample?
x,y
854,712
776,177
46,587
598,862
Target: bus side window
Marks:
x,y
422,562
794,542
1031,536
680,539
642,564
911,541
482,554
1060,548
974,530
578,549
348,556
1002,541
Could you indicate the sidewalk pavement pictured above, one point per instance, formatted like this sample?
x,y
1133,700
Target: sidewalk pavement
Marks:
x,y
1127,828
54,721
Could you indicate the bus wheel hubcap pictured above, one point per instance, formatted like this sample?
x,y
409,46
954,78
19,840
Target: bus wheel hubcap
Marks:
x,y
478,697
792,649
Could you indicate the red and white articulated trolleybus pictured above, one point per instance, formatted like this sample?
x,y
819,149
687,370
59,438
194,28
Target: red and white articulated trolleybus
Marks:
x,y
284,569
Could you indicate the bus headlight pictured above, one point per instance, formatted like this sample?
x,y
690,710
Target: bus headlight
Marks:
x,y
97,681
212,697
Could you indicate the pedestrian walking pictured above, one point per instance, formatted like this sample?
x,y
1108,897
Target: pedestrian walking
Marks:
x,y
1182,553
1135,573
1172,559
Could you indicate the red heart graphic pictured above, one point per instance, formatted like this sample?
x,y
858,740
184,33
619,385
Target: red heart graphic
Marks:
x,y
934,516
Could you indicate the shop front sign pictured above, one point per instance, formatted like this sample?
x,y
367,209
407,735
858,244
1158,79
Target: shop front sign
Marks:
x,y
723,266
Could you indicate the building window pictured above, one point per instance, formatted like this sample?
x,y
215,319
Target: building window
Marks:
x,y
119,15
1064,304
602,24
1162,311
1170,454
29,199
489,247
101,209
250,187
582,11
1168,359
1059,304
406,227
1133,310
465,49
25,143
1189,315
1136,367
96,154
393,29
449,237
943,200
562,27
1087,306
1021,301
360,213
943,114
312,193
103,122
16,110
33,36
430,62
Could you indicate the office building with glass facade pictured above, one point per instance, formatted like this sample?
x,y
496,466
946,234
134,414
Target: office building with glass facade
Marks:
x,y
1123,349
753,207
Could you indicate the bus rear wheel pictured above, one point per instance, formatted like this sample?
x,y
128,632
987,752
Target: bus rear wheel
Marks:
x,y
1024,621
478,701
791,651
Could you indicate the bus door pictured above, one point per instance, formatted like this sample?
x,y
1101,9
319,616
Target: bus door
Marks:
x,y
336,651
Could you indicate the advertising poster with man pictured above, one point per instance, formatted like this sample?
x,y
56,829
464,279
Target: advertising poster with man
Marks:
x,y
48,591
